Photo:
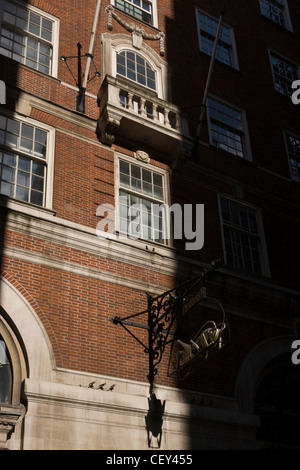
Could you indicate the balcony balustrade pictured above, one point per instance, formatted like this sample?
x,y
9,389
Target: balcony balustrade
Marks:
x,y
131,112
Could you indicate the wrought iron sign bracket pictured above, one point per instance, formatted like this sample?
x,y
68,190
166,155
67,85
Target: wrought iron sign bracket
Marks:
x,y
162,312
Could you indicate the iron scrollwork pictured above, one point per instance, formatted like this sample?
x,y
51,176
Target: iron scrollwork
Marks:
x,y
162,312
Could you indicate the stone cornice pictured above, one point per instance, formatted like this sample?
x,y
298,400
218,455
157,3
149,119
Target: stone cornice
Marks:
x,y
162,260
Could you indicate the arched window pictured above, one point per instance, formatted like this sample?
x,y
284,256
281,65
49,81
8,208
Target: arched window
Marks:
x,y
136,68
5,374
13,363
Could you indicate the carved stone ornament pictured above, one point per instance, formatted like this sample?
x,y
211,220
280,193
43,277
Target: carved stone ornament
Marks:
x,y
138,33
142,156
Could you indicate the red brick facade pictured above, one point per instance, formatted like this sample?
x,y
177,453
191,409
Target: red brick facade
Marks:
x,y
76,282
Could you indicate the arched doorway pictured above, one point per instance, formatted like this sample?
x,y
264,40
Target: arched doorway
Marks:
x,y
25,353
13,371
277,403
268,386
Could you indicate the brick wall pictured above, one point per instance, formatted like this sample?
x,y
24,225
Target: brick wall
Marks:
x,y
74,308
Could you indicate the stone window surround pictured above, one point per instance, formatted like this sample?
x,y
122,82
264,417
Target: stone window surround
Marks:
x,y
115,43
142,159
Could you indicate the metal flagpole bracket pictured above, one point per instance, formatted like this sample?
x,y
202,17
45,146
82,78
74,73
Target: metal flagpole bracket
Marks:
x,y
163,312
81,81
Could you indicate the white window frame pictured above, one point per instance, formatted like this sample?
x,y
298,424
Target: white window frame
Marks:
x,y
154,22
246,140
55,35
113,44
292,134
233,52
263,255
49,160
286,14
118,187
285,59
127,69
157,71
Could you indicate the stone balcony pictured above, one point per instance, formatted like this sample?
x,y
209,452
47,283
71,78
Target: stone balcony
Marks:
x,y
130,112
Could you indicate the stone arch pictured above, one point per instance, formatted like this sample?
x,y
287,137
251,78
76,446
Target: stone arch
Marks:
x,y
253,366
24,330
17,358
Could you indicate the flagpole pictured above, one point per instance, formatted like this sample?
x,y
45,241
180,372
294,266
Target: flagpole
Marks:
x,y
81,101
209,76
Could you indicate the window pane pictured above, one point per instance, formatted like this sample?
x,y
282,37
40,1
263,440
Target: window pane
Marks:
x,y
40,150
22,193
11,140
37,183
8,174
36,198
147,176
23,178
7,189
9,159
3,121
124,167
38,169
26,145
131,75
13,126
10,7
142,80
5,374
24,164
46,31
121,70
2,137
